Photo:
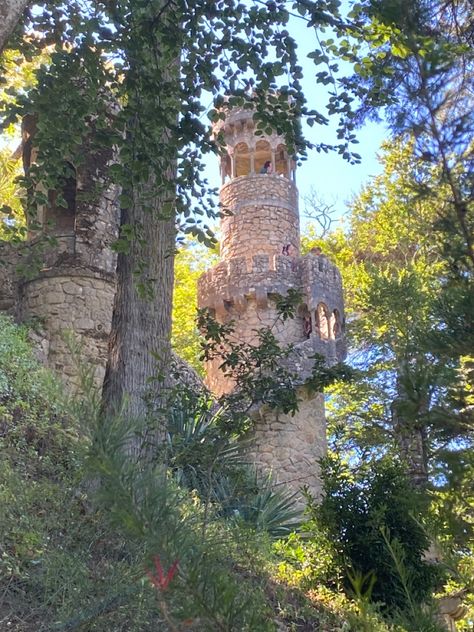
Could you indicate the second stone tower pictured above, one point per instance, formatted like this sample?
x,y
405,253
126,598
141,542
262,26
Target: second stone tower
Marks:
x,y
260,252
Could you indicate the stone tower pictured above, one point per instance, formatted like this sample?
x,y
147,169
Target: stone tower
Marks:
x,y
72,286
261,227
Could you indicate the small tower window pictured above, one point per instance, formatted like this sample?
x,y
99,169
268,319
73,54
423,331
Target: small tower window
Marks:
x,y
322,321
263,154
242,160
60,215
305,316
335,325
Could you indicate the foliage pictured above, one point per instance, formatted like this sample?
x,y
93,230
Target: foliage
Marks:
x,y
74,555
190,262
18,76
410,393
415,60
359,509
10,205
149,509
223,49
33,418
262,371
203,455
41,453
395,283
308,559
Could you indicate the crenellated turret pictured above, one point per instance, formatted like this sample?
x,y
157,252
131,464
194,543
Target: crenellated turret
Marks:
x,y
247,151
260,246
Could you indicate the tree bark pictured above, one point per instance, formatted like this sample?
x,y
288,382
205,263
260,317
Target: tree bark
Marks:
x,y
10,13
140,343
140,346
410,434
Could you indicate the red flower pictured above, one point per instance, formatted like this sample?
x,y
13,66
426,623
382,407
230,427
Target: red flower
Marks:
x,y
161,580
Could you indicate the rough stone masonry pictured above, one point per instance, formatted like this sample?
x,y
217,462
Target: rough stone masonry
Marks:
x,y
260,225
73,287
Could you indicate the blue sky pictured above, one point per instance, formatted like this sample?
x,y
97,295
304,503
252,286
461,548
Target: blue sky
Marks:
x,y
332,178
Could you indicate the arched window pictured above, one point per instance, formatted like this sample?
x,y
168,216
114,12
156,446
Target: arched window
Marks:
x,y
306,324
60,216
242,160
335,325
322,321
281,161
263,154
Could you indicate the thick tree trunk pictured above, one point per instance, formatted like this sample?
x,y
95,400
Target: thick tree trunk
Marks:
x,y
141,325
10,13
140,347
410,434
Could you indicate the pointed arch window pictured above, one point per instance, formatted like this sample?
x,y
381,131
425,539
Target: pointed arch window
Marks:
x,y
263,154
60,215
281,161
335,325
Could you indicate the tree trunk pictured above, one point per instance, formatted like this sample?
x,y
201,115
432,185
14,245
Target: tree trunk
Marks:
x,y
140,345
410,433
10,13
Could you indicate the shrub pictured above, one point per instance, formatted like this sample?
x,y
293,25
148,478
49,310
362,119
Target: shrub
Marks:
x,y
362,512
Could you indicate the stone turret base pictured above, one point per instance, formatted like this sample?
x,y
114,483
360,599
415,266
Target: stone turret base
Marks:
x,y
291,446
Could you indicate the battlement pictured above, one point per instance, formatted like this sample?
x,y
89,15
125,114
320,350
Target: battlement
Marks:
x,y
232,285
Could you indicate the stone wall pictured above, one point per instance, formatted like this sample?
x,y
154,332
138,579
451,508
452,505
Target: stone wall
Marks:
x,y
264,216
68,286
263,275
290,447
259,275
70,301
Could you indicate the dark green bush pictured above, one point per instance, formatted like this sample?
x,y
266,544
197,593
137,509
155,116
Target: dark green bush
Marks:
x,y
362,512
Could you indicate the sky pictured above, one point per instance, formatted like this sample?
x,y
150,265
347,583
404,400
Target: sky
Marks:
x,y
329,176
332,178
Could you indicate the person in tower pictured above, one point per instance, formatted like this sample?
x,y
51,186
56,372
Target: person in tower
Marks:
x,y
267,167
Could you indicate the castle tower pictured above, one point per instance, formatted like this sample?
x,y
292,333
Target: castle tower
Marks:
x,y
262,225
71,286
